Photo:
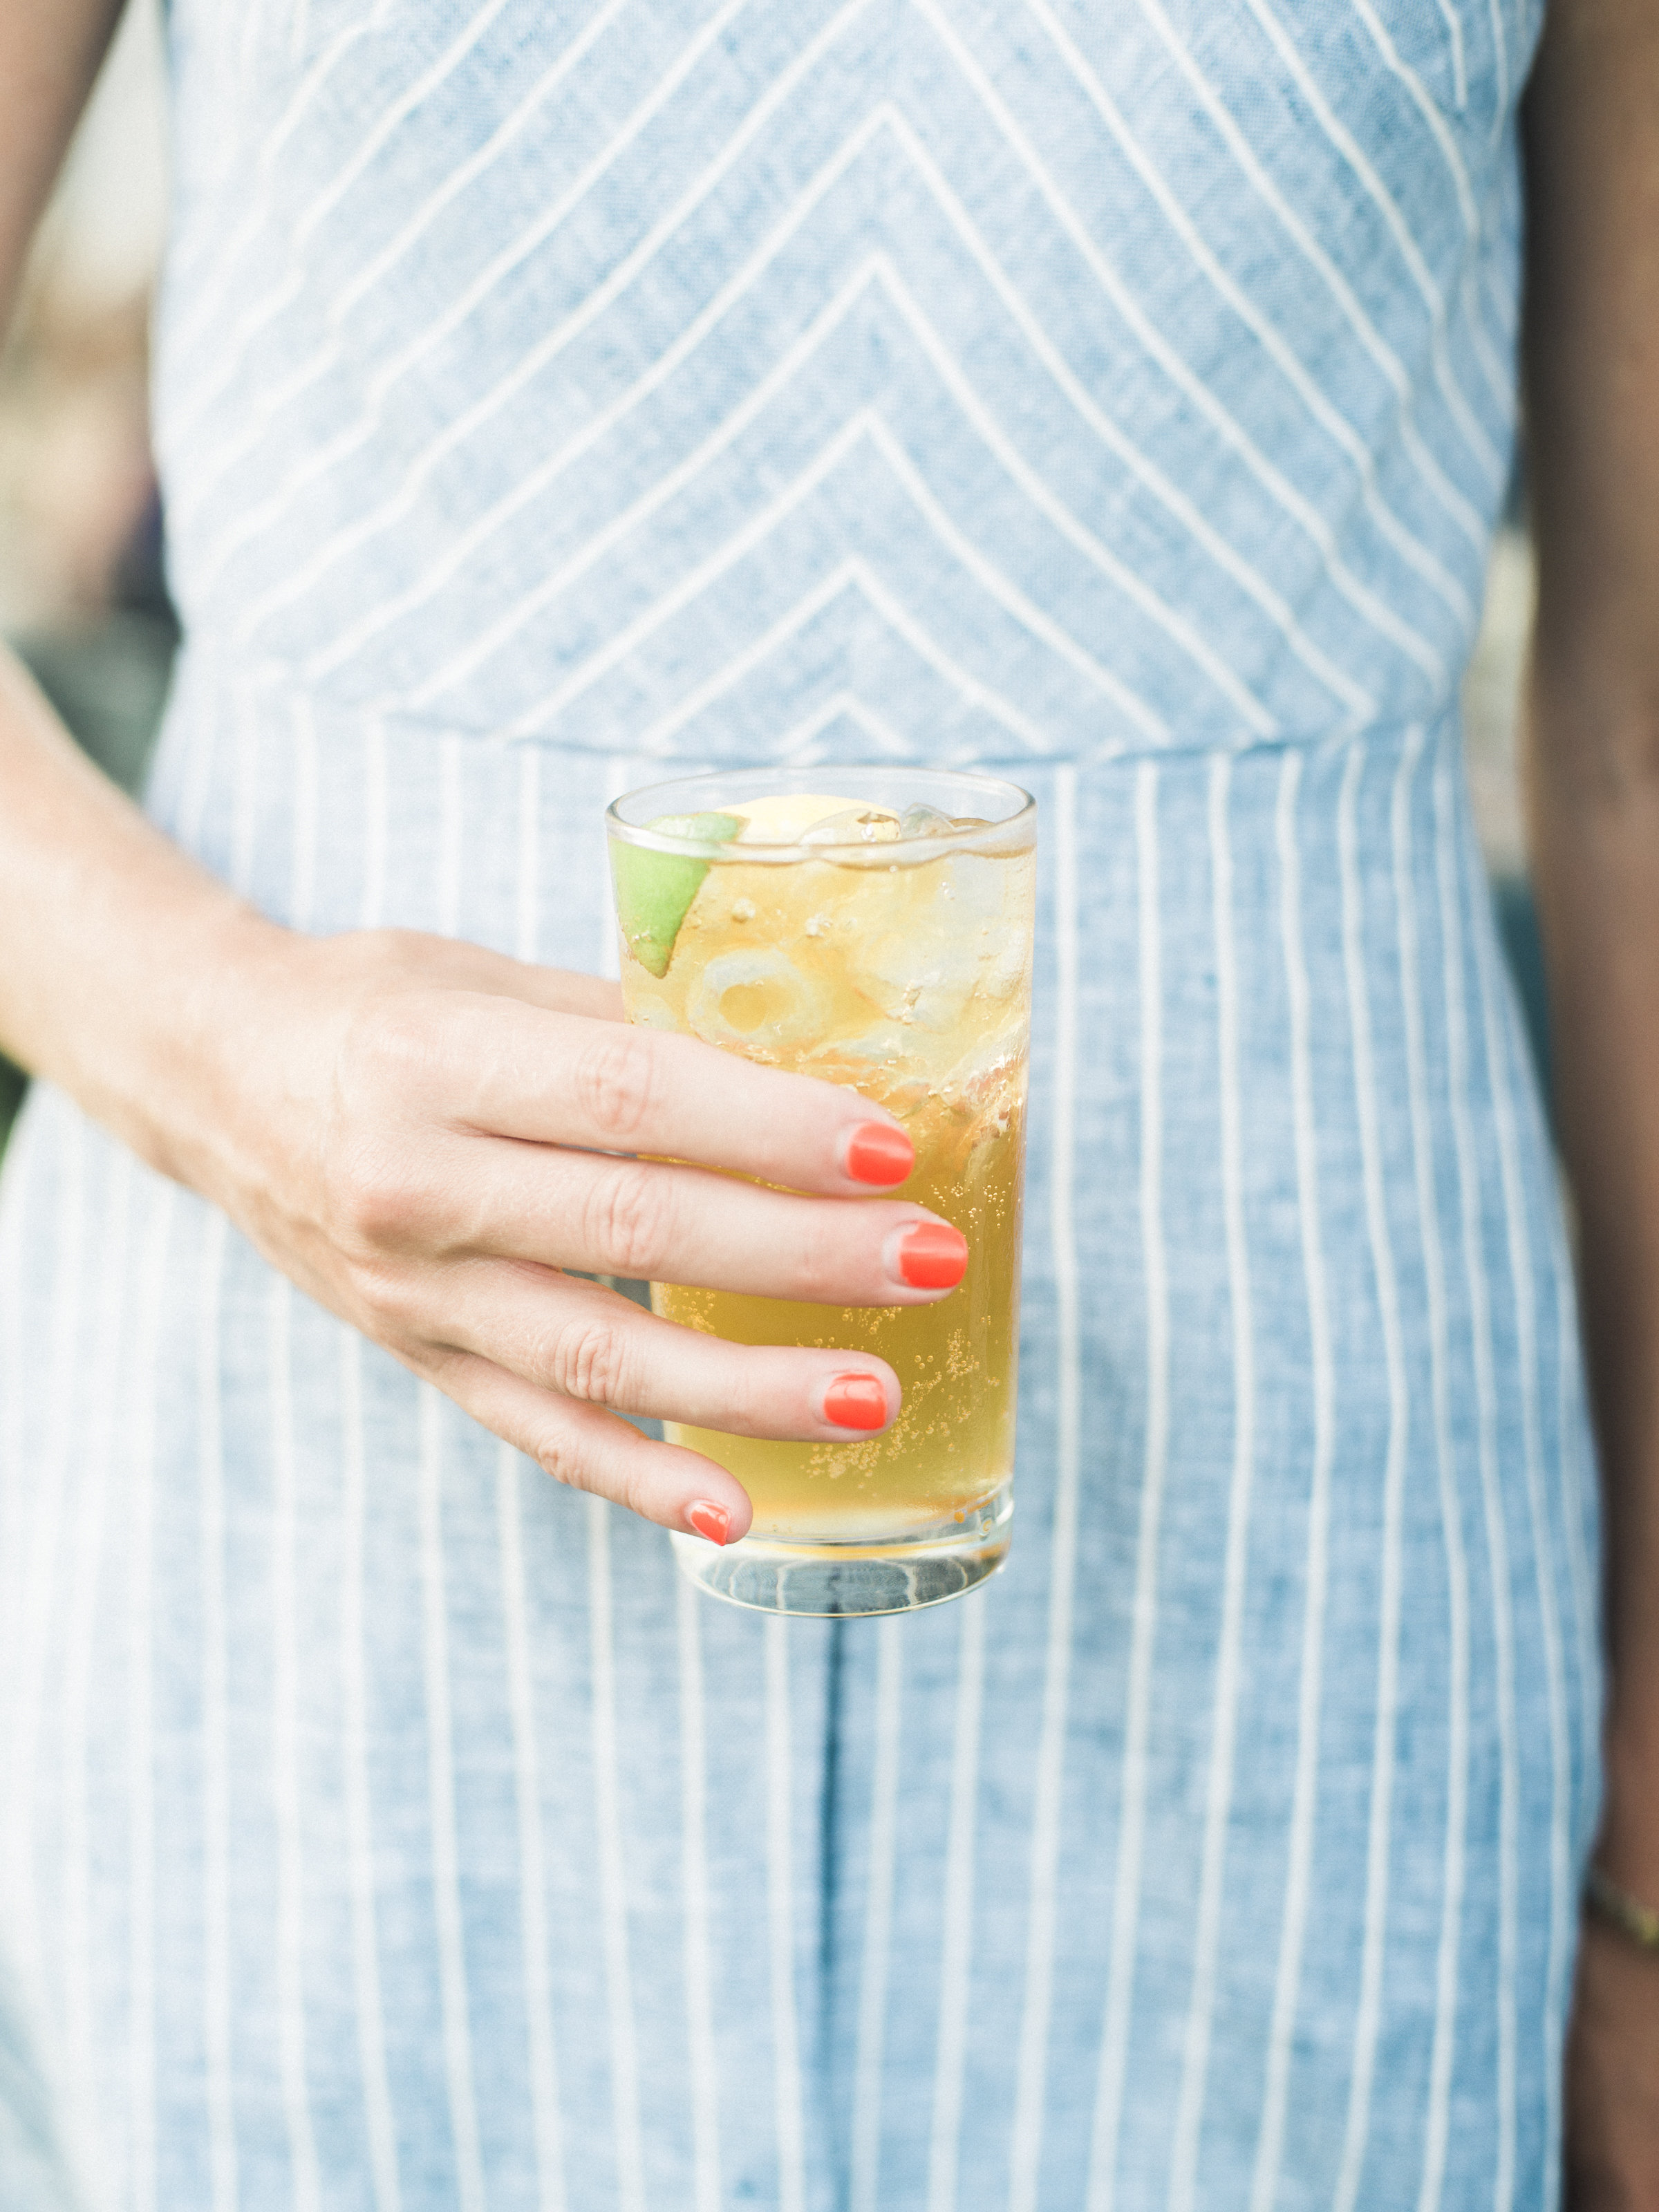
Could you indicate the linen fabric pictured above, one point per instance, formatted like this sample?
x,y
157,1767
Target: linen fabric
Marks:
x,y
553,397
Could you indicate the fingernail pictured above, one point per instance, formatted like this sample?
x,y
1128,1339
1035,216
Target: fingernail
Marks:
x,y
878,1152
932,1256
856,1401
709,1521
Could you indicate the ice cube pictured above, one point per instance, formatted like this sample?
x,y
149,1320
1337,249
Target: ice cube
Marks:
x,y
921,821
756,1001
855,825
923,974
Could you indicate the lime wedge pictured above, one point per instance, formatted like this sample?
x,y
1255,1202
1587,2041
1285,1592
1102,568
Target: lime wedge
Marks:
x,y
654,890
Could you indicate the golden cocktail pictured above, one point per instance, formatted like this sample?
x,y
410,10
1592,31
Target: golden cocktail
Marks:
x,y
872,927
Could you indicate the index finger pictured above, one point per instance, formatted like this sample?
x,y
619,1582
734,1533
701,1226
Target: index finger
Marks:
x,y
562,1078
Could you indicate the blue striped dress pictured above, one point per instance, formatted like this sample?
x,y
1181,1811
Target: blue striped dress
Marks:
x,y
551,396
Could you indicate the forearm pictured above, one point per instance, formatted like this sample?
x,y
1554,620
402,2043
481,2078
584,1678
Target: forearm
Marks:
x,y
49,56
1593,396
115,949
1597,861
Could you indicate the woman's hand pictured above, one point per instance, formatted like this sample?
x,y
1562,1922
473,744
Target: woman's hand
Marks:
x,y
422,1135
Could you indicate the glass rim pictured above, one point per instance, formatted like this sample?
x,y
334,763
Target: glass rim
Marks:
x,y
893,852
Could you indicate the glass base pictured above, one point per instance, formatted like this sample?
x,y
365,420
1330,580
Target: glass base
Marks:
x,y
826,1580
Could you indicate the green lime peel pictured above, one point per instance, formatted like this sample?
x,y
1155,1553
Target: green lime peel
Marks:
x,y
654,890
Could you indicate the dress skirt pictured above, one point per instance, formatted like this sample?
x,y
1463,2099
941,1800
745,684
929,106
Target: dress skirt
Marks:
x,y
386,1827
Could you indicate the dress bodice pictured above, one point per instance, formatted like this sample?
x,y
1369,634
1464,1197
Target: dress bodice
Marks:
x,y
729,379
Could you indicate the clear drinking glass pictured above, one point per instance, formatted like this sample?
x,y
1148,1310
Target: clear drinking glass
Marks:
x,y
871,926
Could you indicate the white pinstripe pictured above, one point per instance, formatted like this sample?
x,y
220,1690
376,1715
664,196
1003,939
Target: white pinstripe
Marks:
x,y
538,357
596,544
1586,1612
694,1849
374,821
880,268
216,1990
546,2122
228,357
1453,23
141,1749
1031,618
511,1473
1221,420
1499,381
290,1933
1132,1791
796,742
13,1222
359,1803
455,182
1336,425
1189,2111
1304,1805
245,799
446,1863
469,2182
40,1588
1424,103
449,853
1480,447
852,574
1505,1071
83,1610
862,426
1501,50
1458,507
878,1922
194,330
1025,2152
305,812
1182,508
781,1923
1443,2053
956,1964
1491,1493
527,929
1087,542
537,482
195,782
1367,2026
613,1891
621,775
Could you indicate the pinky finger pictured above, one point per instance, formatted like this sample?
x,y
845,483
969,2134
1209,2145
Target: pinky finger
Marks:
x,y
589,1449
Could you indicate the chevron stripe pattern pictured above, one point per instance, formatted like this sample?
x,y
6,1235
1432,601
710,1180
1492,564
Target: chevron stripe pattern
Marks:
x,y
700,380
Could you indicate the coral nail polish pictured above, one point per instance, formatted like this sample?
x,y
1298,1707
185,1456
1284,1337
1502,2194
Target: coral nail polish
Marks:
x,y
877,1152
709,1521
933,1256
855,1401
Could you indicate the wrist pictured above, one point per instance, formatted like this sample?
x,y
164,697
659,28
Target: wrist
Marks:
x,y
158,1046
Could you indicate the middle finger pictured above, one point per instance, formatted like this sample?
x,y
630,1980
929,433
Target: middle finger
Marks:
x,y
677,1224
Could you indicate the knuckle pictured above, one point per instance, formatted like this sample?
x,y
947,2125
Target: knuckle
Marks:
x,y
375,1197
556,1455
387,1043
385,1302
585,1360
616,1082
628,1223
